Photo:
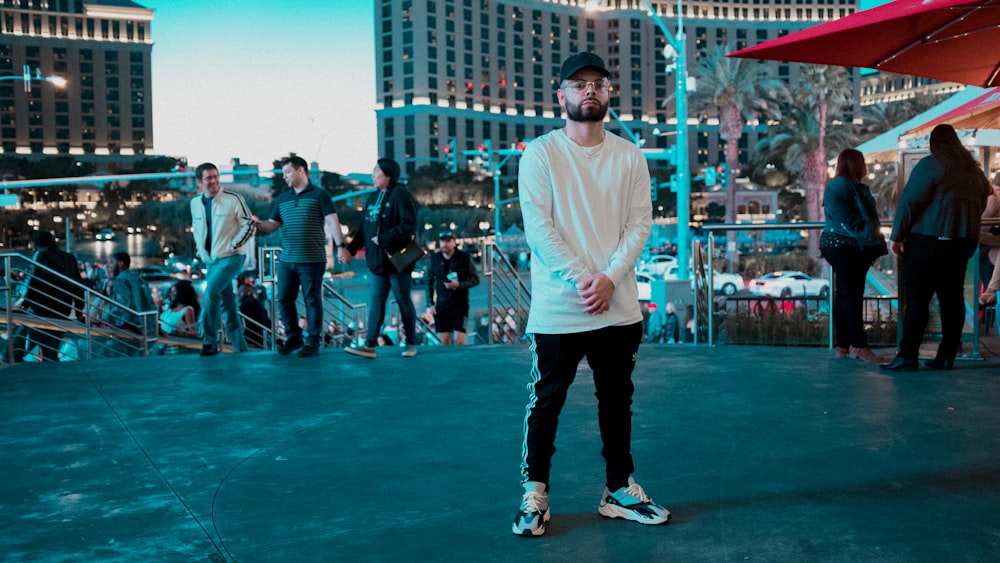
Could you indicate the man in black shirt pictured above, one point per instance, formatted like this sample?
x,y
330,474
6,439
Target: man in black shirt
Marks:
x,y
53,292
450,275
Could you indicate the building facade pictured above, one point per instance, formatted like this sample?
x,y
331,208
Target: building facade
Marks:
x,y
487,70
102,49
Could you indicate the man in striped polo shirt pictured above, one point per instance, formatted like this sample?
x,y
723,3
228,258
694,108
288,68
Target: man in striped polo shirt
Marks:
x,y
301,213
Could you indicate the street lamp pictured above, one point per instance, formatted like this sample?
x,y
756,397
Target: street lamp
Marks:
x,y
27,76
676,50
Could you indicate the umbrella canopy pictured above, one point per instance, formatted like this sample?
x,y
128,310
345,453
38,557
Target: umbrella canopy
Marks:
x,y
950,40
980,113
886,146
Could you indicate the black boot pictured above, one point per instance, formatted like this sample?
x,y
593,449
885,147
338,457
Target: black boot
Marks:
x,y
900,364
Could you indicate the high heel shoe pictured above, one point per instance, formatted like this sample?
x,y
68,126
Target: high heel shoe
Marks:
x,y
937,362
867,355
900,364
842,352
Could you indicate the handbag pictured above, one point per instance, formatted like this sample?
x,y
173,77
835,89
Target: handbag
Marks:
x,y
407,256
870,238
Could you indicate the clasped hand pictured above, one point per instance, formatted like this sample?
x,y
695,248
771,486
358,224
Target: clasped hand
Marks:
x,y
595,293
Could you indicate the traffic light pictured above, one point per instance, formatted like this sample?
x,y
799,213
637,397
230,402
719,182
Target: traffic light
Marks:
x,y
485,150
723,171
653,188
710,177
451,156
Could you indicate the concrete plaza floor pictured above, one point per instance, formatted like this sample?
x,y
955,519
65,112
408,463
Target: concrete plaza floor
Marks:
x,y
761,453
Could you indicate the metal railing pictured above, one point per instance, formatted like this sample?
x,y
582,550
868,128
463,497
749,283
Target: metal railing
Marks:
x,y
509,300
93,328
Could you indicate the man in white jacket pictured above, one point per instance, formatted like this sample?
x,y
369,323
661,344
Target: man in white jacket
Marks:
x,y
587,212
222,228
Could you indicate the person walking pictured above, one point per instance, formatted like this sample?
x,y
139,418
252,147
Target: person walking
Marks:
x,y
221,221
302,212
389,224
934,233
53,291
449,277
838,244
587,212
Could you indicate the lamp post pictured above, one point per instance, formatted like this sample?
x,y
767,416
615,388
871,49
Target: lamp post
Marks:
x,y
27,76
683,181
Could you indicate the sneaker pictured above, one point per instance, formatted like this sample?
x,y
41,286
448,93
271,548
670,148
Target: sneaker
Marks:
x,y
290,345
363,351
308,351
209,350
534,513
409,351
632,503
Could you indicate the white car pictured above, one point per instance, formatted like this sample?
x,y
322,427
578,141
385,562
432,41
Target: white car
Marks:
x,y
644,280
788,284
657,264
727,284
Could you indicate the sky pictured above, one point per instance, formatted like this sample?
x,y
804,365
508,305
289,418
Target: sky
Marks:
x,y
257,79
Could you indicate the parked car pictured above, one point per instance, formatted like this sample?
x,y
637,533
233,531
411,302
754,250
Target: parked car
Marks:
x,y
789,284
643,281
105,234
727,284
657,264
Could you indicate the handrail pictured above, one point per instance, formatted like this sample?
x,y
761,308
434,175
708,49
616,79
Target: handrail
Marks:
x,y
83,322
509,297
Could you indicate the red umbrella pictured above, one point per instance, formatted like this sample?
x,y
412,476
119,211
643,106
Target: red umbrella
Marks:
x,y
950,40
982,112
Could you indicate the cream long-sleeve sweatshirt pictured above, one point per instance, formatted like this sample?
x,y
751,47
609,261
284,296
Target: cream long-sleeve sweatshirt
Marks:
x,y
586,210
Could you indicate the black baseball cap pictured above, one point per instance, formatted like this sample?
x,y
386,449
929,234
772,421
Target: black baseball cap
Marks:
x,y
580,61
446,235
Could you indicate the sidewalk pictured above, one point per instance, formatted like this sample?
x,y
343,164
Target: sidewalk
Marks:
x,y
761,453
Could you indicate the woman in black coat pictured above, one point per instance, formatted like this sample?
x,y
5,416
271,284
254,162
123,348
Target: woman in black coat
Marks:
x,y
389,223
838,243
934,233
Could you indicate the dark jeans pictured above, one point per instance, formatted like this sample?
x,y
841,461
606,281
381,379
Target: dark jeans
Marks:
x,y
610,353
308,276
399,283
930,266
850,268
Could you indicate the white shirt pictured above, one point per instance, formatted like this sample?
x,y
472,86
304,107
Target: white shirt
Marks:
x,y
586,210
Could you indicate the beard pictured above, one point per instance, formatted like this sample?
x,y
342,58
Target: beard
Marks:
x,y
577,112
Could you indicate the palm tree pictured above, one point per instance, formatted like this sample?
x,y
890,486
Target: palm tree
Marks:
x,y
740,90
824,88
801,147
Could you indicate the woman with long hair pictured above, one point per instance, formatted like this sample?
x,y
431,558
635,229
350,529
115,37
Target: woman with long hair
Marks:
x,y
388,224
934,233
839,245
180,317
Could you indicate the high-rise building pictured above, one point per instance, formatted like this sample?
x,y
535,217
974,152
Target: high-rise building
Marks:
x,y
477,70
102,48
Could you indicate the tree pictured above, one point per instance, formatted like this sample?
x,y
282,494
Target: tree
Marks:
x,y
811,132
822,88
740,90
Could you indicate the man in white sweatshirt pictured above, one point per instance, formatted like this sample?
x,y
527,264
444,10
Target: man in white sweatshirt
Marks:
x,y
587,212
222,230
